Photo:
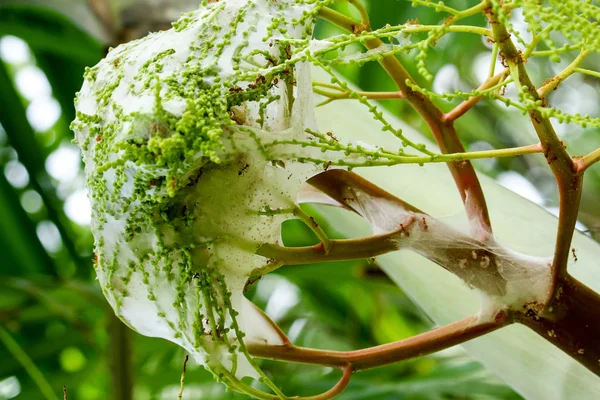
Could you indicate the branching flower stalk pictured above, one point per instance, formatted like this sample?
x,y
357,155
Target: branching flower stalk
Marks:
x,y
197,141
443,132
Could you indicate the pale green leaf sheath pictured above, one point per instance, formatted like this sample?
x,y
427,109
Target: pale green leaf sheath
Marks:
x,y
170,127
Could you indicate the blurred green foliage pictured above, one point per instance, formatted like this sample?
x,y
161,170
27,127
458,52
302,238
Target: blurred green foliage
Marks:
x,y
54,315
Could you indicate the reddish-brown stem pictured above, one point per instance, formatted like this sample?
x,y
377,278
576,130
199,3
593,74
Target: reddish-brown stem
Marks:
x,y
466,105
416,346
569,321
337,389
585,162
568,179
572,323
444,133
102,10
339,250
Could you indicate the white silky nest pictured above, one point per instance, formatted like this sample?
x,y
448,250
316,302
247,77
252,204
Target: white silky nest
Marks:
x,y
171,128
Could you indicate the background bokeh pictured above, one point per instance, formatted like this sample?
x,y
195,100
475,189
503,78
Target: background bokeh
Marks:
x,y
55,326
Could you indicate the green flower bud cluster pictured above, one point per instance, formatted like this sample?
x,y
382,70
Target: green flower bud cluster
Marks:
x,y
170,127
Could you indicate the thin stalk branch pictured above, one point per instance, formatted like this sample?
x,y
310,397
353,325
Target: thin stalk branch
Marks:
x,y
438,6
565,49
444,133
182,380
477,30
553,83
28,365
587,161
420,345
535,40
565,172
494,58
345,95
466,105
314,226
379,158
588,72
364,15
456,14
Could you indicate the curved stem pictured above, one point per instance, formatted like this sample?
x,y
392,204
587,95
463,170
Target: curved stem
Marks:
x,y
337,389
339,250
314,226
420,345
364,15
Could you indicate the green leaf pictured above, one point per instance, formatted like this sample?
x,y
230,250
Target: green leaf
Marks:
x,y
20,249
22,138
47,30
527,362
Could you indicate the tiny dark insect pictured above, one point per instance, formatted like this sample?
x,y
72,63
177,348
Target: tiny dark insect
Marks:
x,y
403,229
241,171
251,281
195,179
574,254
330,134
